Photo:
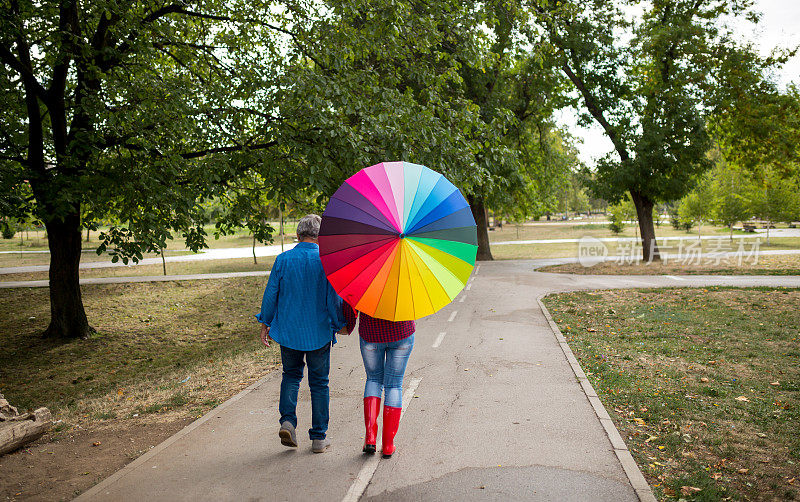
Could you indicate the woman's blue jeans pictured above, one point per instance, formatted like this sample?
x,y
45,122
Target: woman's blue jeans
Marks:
x,y
385,364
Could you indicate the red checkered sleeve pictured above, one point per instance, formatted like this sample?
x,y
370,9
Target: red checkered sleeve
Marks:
x,y
350,316
377,330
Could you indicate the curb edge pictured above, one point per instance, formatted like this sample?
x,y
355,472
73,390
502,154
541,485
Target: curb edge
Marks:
x,y
632,471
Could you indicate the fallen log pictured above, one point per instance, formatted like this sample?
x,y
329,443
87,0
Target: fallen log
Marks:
x,y
17,430
7,412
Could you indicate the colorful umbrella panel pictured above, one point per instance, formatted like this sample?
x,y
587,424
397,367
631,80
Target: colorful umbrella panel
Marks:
x,y
398,241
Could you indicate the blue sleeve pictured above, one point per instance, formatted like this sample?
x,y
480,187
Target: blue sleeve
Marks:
x,y
334,305
270,301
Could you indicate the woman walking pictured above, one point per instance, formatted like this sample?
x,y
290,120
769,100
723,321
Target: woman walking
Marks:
x,y
385,348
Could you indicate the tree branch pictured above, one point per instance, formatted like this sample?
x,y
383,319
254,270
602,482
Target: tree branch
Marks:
x,y
596,112
25,73
228,149
68,31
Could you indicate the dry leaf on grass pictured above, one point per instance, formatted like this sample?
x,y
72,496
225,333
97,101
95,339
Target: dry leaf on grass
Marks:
x,y
743,399
688,490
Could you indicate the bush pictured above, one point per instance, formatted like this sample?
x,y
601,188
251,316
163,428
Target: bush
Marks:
x,y
674,220
617,224
680,224
8,229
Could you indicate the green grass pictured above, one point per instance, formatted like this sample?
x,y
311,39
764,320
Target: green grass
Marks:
x,y
175,268
564,250
766,265
560,230
36,240
704,384
158,347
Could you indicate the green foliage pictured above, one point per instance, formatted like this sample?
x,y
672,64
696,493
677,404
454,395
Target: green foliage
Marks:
x,y
620,213
762,126
246,206
678,223
617,223
731,190
652,91
697,206
8,228
132,113
775,198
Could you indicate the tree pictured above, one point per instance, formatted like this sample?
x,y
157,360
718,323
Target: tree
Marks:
x,y
522,158
731,190
438,83
775,198
246,206
617,217
127,111
697,206
650,85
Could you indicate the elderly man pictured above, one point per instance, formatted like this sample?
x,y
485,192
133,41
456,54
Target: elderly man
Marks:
x,y
302,313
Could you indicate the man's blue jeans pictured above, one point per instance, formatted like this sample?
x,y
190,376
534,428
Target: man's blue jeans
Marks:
x,y
385,364
319,365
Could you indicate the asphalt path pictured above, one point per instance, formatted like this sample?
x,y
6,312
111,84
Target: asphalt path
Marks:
x,y
495,408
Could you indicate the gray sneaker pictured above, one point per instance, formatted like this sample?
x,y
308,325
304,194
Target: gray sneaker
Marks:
x,y
320,445
288,435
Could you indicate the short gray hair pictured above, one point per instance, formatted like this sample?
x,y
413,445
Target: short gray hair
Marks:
x,y
308,227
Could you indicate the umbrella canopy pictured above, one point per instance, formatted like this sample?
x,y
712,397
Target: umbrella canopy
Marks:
x,y
398,241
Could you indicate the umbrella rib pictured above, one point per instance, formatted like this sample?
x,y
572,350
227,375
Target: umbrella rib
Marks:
x,y
358,210
384,190
385,250
456,244
413,213
444,270
379,238
382,275
450,190
450,211
416,260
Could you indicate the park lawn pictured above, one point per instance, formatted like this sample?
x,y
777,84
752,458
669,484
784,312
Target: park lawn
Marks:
x,y
175,268
766,265
576,230
703,384
88,255
35,240
570,249
165,348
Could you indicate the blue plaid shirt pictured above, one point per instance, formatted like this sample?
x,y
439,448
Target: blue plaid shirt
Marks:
x,y
300,306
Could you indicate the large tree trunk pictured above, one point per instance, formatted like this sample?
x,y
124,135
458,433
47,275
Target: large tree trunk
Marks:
x,y
644,210
478,208
67,316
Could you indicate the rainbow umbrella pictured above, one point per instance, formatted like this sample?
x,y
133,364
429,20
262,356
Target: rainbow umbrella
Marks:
x,y
398,241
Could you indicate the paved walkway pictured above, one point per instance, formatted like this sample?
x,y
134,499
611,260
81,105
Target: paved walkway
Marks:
x,y
496,408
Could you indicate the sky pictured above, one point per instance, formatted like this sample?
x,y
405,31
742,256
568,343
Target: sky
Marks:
x,y
779,27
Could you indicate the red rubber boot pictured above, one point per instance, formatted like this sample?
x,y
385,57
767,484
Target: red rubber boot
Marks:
x,y
391,421
372,406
